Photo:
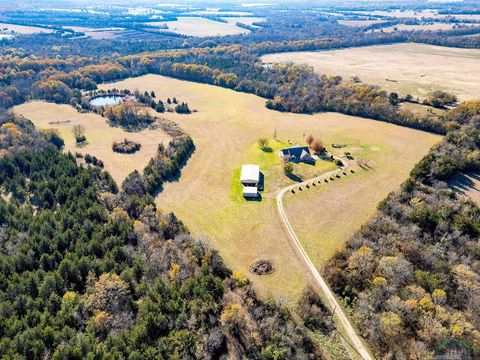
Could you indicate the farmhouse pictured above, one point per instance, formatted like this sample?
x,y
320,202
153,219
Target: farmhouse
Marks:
x,y
296,154
249,178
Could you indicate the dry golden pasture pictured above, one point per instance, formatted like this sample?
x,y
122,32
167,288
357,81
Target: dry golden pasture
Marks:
x,y
201,27
96,33
409,68
424,27
244,20
419,14
467,185
100,136
359,23
207,196
22,29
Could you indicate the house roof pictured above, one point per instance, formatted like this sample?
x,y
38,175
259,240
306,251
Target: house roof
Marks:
x,y
250,173
299,152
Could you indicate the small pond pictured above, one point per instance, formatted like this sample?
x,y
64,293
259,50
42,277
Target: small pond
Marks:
x,y
106,100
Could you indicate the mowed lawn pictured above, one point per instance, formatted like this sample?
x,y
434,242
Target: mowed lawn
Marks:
x,y
207,196
415,69
100,136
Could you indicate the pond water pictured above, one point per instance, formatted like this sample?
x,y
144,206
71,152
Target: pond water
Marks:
x,y
106,100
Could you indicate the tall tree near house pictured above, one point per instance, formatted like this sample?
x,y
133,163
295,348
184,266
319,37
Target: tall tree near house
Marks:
x,y
317,146
309,140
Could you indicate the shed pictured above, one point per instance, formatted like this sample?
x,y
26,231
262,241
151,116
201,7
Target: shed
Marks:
x,y
250,175
250,191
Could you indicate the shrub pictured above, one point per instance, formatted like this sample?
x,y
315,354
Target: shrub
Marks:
x,y
288,168
262,143
182,108
126,146
79,133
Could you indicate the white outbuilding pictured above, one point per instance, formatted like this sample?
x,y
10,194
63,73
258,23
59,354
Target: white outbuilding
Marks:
x,y
249,178
250,175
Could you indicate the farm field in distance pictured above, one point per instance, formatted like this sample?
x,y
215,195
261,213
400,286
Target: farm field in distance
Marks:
x,y
426,27
408,68
100,136
201,27
23,29
360,23
418,14
244,20
225,130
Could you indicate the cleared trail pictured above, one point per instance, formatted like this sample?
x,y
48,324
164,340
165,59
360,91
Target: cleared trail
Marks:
x,y
343,321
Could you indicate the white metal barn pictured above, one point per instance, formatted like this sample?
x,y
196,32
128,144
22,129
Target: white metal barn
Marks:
x,y
249,178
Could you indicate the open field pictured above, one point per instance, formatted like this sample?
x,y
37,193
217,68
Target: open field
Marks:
x,y
23,30
425,27
359,23
420,109
468,185
415,69
225,130
97,33
201,27
244,20
100,136
419,14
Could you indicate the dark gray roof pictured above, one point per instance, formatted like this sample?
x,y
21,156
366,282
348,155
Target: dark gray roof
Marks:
x,y
295,153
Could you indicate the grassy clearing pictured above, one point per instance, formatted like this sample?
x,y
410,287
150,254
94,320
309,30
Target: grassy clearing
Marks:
x,y
100,136
414,69
201,27
97,33
467,185
421,109
225,131
400,14
359,23
22,29
245,20
424,27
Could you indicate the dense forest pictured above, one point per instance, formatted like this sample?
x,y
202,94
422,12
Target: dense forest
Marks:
x,y
412,274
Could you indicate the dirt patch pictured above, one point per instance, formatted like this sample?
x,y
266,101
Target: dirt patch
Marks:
x,y
261,267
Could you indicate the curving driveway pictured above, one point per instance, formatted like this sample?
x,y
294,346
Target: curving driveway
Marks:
x,y
342,320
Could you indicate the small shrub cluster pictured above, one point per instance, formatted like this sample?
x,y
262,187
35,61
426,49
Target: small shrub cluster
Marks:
x,y
92,160
126,146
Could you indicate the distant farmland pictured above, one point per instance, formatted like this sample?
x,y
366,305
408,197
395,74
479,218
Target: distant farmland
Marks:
x,y
414,69
201,27
22,29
